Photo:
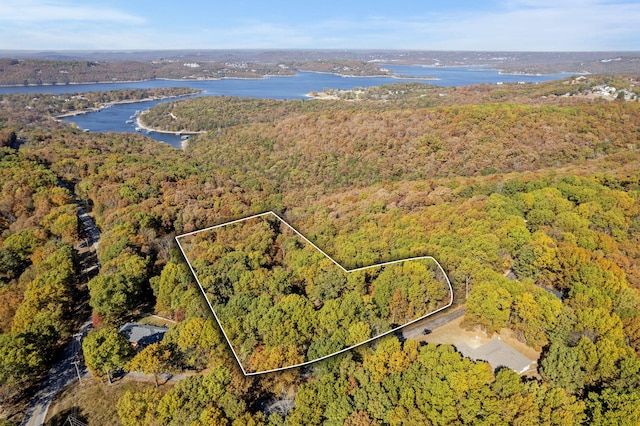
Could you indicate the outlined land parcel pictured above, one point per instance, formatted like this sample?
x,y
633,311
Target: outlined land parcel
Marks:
x,y
282,302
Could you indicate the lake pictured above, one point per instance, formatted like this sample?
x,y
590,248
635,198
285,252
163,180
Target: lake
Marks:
x,y
295,87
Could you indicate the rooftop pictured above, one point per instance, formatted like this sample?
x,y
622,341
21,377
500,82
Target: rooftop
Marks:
x,y
142,334
498,354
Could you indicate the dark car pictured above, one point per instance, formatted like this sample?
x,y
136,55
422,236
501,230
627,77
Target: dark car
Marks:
x,y
426,331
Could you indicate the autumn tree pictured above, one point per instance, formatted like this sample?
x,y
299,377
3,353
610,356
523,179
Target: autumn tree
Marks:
x,y
138,408
154,359
490,306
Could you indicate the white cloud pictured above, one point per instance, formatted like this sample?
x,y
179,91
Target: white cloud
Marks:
x,y
543,25
515,25
546,25
32,11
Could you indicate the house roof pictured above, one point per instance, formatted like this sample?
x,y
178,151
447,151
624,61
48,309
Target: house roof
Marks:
x,y
142,334
498,354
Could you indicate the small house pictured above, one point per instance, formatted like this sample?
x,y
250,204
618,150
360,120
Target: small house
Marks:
x,y
498,354
141,335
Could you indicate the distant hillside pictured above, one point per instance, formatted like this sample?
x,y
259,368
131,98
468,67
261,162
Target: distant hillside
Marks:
x,y
609,63
37,72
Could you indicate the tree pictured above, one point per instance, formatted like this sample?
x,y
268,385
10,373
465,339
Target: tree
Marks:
x,y
536,313
11,266
399,307
561,367
154,359
309,408
538,259
489,305
211,416
358,332
64,223
555,406
189,398
19,359
105,350
632,330
360,418
138,408
112,295
23,243
196,339
170,285
267,358
614,407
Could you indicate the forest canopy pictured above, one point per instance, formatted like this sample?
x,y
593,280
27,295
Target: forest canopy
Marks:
x,y
281,302
529,197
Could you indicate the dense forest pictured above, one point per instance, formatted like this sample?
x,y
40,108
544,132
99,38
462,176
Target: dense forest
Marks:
x,y
282,302
487,179
39,271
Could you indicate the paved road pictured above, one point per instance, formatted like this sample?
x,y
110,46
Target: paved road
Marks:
x,y
92,232
415,331
61,375
64,372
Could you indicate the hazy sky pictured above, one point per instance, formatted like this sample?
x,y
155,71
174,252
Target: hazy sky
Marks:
x,y
539,25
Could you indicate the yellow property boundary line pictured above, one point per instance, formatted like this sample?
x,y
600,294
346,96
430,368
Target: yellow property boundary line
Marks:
x,y
332,260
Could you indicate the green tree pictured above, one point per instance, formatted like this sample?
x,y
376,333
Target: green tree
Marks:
x,y
23,243
105,350
561,367
11,265
211,416
358,332
536,314
19,359
112,296
197,340
614,407
555,406
170,285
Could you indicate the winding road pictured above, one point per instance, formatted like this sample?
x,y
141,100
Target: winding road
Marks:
x,y
68,368
61,375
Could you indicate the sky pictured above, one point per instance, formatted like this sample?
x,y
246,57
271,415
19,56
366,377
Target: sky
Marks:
x,y
494,25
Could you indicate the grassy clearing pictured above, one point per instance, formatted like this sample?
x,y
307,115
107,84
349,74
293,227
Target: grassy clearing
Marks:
x,y
155,320
92,402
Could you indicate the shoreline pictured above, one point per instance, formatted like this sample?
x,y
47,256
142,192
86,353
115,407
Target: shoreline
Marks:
x,y
427,78
526,74
128,101
485,66
74,83
221,78
148,129
144,80
490,67
322,96
347,75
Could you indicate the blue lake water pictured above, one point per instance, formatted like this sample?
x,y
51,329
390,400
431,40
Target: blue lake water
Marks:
x,y
294,87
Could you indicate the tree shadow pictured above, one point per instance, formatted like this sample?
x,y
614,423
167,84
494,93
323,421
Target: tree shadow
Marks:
x,y
62,418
